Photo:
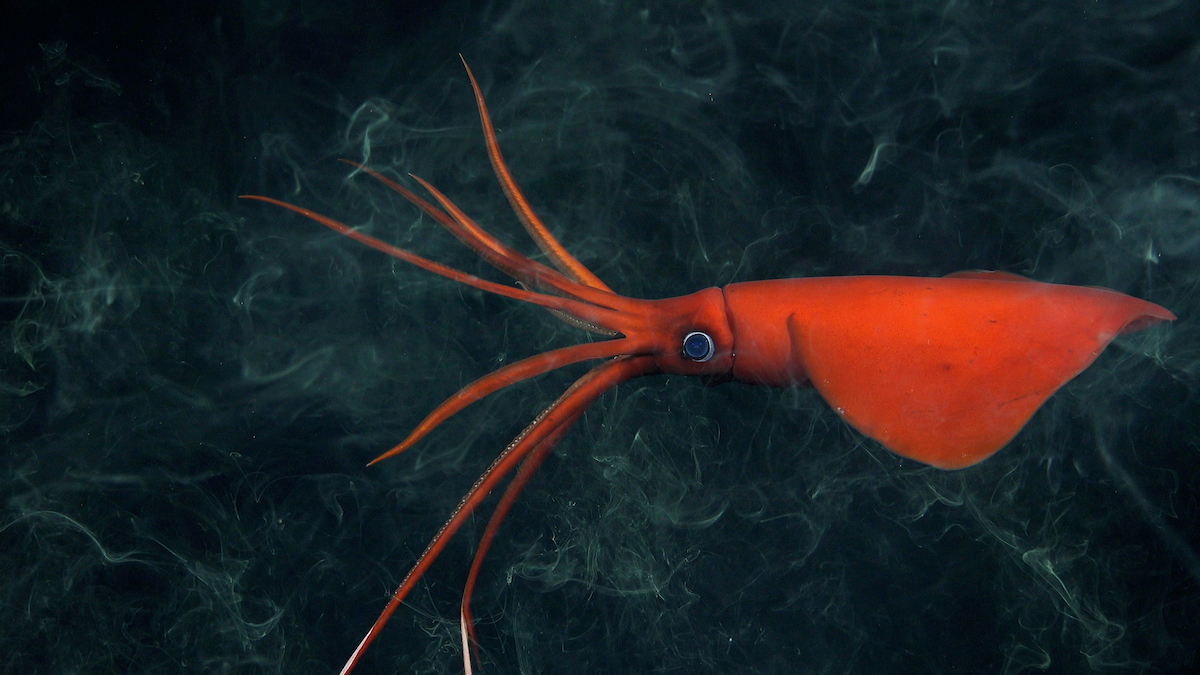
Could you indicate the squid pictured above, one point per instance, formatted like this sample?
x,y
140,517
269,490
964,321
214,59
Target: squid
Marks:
x,y
944,371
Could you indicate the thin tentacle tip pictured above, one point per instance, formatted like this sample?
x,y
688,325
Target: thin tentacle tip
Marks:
x,y
389,454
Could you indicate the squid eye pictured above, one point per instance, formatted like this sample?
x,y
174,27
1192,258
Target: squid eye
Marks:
x,y
698,346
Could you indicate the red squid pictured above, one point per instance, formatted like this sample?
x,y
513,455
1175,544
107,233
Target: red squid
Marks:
x,y
944,371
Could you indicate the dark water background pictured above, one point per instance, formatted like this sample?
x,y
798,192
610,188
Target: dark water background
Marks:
x,y
191,385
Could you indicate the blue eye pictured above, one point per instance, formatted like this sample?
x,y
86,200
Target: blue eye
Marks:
x,y
698,346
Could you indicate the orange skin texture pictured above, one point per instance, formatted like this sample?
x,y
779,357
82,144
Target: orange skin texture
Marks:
x,y
945,371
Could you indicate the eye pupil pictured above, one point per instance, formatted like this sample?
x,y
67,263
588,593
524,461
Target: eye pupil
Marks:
x,y
698,346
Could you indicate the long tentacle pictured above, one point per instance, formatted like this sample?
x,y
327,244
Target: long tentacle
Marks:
x,y
525,473
501,256
599,315
496,253
577,398
508,375
554,250
602,297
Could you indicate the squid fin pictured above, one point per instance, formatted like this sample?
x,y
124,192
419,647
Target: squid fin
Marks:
x,y
947,371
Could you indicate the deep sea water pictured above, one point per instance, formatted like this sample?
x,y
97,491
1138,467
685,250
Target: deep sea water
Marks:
x,y
191,385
